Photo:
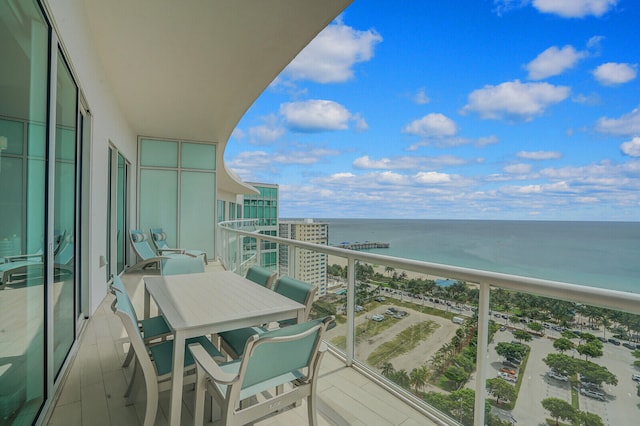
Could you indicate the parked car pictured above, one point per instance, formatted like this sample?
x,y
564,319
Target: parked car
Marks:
x,y
614,341
629,345
503,328
510,364
516,361
602,339
380,299
635,377
592,394
508,370
389,312
359,308
557,376
377,317
507,377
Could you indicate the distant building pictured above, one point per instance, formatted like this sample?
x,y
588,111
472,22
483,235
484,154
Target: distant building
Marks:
x,y
264,208
308,266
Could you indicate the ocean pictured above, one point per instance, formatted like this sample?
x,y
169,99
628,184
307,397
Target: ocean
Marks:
x,y
598,254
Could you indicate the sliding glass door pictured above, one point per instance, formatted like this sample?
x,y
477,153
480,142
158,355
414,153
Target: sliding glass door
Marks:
x,y
23,236
64,218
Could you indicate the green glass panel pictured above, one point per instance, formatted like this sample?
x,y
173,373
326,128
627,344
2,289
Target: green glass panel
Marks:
x,y
64,283
198,156
11,137
24,43
156,153
197,201
159,202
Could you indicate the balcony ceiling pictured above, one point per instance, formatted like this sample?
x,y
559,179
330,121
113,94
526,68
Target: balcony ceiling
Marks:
x,y
190,69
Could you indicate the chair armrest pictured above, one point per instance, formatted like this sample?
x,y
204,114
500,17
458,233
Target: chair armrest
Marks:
x,y
203,359
20,257
170,250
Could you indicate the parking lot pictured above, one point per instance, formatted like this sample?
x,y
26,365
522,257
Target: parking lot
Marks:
x,y
621,402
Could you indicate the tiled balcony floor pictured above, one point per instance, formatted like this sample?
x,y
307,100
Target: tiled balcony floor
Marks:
x,y
95,385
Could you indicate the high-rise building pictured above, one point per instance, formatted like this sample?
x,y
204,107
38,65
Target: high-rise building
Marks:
x,y
306,265
264,208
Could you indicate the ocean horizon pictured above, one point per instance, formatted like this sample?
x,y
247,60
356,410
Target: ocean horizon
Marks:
x,y
596,254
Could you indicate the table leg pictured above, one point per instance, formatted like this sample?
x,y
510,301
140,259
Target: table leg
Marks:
x,y
177,379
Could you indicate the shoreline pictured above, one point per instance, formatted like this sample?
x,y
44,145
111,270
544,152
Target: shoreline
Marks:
x,y
337,260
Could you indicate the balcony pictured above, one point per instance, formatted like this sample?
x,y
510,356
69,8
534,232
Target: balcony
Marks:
x,y
353,386
92,393
541,311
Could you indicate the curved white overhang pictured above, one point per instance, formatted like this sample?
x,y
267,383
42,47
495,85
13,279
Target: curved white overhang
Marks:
x,y
190,69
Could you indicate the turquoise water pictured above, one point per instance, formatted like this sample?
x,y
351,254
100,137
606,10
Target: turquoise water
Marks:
x,y
599,254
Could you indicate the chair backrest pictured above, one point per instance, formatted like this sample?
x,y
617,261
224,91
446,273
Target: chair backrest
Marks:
x,y
159,238
297,290
66,252
140,244
124,309
117,284
261,275
182,265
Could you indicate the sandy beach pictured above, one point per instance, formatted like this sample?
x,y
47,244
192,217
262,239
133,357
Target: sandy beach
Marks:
x,y
335,260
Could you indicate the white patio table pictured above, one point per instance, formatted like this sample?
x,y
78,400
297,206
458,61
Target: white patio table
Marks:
x,y
211,302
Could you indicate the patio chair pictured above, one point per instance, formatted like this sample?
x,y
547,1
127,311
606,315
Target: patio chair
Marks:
x,y
144,251
23,265
261,275
156,361
153,328
286,359
233,342
186,265
159,238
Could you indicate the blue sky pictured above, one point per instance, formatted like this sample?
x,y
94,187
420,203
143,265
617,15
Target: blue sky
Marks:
x,y
467,109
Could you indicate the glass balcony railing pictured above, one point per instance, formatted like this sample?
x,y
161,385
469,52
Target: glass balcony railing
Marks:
x,y
471,347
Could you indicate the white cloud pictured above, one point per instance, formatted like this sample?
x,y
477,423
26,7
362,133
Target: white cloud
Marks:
x,y
612,73
574,8
330,57
315,116
392,178
539,155
432,177
520,168
514,99
632,147
410,162
421,97
553,61
627,125
432,125
360,123
265,133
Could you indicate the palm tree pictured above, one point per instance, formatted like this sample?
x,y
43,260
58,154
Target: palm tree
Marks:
x,y
389,270
418,378
387,369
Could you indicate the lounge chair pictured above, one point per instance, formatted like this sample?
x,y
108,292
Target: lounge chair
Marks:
x,y
286,360
159,239
156,360
144,251
18,267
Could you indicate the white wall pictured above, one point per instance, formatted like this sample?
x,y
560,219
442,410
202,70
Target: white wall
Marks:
x,y
109,125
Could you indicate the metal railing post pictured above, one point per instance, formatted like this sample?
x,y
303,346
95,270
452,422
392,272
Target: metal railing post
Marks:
x,y
351,313
482,355
258,250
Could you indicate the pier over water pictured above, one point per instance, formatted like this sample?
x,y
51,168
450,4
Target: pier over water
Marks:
x,y
362,246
